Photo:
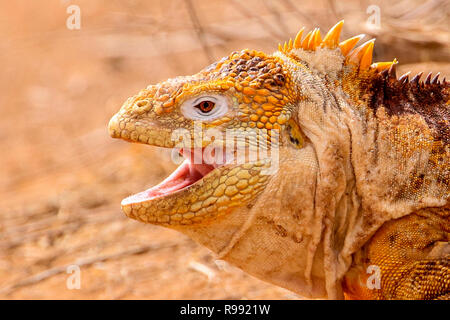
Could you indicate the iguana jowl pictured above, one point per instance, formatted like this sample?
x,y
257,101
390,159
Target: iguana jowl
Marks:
x,y
358,204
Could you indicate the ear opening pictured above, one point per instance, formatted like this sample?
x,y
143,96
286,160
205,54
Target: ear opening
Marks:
x,y
295,135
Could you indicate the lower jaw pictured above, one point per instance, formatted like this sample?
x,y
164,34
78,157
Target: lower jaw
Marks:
x,y
184,176
183,207
206,199
187,174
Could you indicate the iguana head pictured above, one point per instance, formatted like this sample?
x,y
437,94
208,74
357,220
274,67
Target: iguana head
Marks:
x,y
235,107
242,103
278,151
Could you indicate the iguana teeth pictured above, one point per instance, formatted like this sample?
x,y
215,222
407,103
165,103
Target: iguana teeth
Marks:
x,y
381,66
298,39
416,78
356,56
348,44
315,40
435,79
393,71
428,78
366,59
331,39
305,41
385,73
404,78
360,56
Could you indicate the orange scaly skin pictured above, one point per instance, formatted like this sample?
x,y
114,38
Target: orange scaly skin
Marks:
x,y
357,206
413,259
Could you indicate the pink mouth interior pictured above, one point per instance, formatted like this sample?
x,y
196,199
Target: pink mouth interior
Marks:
x,y
185,175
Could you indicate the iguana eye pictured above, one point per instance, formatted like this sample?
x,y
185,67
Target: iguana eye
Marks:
x,y
206,107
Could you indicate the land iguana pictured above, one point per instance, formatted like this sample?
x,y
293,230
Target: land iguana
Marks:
x,y
355,202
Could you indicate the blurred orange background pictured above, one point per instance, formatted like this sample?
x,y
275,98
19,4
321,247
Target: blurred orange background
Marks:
x,y
63,177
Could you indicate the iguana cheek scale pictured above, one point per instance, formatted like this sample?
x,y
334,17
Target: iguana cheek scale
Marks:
x,y
360,181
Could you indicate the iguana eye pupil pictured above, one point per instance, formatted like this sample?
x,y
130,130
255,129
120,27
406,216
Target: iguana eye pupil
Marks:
x,y
205,106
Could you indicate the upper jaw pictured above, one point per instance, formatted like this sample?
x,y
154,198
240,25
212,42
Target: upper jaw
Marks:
x,y
126,128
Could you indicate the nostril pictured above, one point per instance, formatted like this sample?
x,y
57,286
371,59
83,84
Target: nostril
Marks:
x,y
142,106
142,103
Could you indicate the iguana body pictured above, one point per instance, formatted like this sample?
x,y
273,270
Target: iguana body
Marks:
x,y
354,205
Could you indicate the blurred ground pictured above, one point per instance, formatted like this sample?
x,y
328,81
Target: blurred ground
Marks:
x,y
62,177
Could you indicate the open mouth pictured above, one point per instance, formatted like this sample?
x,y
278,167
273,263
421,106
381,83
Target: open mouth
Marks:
x,y
194,168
